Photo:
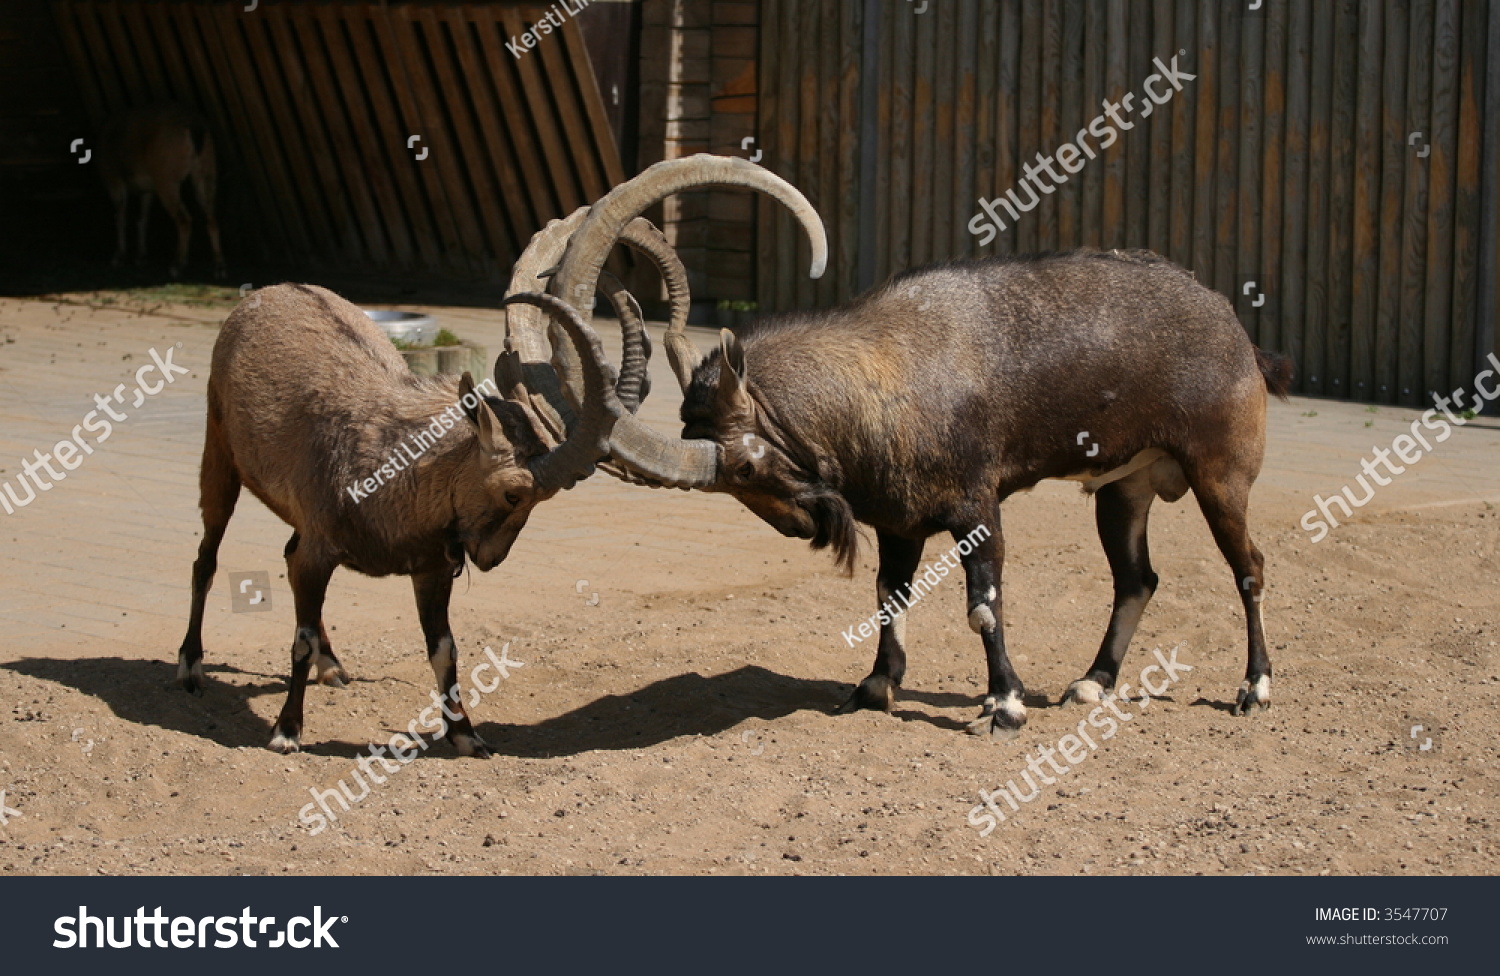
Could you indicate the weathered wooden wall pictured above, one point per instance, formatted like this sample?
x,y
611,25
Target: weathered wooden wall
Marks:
x,y
1292,161
315,103
699,87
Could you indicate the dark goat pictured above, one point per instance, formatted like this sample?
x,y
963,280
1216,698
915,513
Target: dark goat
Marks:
x,y
919,407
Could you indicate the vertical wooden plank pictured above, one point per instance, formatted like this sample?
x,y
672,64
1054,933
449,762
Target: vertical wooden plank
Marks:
x,y
359,138
1227,177
1249,255
789,103
1341,197
850,77
1440,198
943,82
830,192
363,23
1315,328
923,138
1488,340
1115,203
1143,182
1028,133
1184,137
1070,110
903,60
986,117
1296,205
1415,204
809,112
1274,138
767,105
1158,173
1007,122
1393,149
1203,95
1366,254
1468,219
1048,217
960,242
1091,193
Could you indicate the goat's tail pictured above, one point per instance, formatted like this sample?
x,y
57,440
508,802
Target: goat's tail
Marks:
x,y
1277,369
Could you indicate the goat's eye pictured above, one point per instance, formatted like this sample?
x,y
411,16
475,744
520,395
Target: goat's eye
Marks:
x,y
747,471
512,499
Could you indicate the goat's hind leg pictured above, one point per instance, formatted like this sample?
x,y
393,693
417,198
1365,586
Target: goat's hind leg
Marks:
x,y
219,489
432,591
1224,498
1121,511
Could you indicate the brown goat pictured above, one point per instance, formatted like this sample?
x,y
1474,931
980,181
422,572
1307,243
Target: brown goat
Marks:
x,y
312,409
154,150
920,406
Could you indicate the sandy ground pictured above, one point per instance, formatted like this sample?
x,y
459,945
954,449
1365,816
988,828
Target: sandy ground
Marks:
x,y
679,661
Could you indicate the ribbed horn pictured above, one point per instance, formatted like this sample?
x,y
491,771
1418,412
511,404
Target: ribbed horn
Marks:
x,y
670,461
588,440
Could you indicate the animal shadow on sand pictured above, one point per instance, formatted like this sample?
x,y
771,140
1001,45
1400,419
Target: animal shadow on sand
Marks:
x,y
146,693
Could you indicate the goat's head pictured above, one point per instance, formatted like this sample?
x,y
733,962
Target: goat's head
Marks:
x,y
515,466
762,464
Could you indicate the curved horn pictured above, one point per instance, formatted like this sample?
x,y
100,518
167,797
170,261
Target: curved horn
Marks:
x,y
527,333
588,441
669,460
683,356
634,384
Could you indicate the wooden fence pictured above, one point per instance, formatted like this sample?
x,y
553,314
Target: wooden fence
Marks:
x,y
388,138
1332,166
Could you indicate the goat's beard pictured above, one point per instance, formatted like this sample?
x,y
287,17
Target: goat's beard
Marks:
x,y
833,525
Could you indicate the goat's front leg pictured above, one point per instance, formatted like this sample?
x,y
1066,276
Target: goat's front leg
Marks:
x,y
1003,710
432,590
308,570
898,561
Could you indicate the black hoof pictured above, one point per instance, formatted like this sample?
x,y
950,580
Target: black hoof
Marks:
x,y
877,693
1254,696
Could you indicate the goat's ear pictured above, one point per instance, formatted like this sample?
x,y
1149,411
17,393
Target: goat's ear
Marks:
x,y
733,397
468,399
504,428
